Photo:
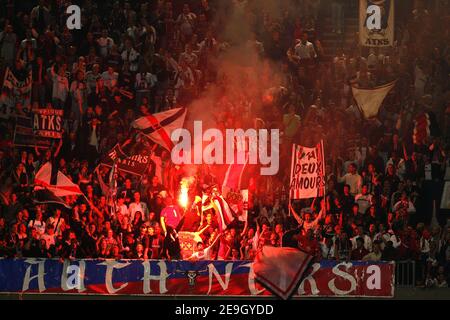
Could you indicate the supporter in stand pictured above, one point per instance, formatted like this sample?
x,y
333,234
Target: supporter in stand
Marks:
x,y
178,55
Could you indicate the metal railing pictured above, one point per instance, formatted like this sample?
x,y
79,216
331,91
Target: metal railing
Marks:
x,y
405,274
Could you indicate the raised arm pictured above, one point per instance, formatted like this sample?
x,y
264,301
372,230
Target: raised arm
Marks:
x,y
36,150
405,154
245,228
296,216
163,225
202,230
58,149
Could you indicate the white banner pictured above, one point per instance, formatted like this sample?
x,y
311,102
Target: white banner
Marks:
x,y
445,200
15,91
376,23
307,172
370,100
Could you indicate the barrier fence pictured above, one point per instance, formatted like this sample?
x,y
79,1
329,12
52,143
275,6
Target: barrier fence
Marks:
x,y
405,274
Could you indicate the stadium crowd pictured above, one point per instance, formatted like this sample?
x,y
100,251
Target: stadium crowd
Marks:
x,y
131,59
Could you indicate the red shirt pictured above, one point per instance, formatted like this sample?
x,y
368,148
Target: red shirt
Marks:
x,y
172,216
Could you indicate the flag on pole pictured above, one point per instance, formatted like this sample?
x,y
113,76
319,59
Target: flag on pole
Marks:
x,y
224,214
233,176
307,172
369,100
239,203
245,205
280,270
63,186
45,196
159,127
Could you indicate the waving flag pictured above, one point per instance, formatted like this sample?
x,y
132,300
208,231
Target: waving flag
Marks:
x,y
280,269
233,176
62,187
370,100
159,127
239,203
45,196
225,215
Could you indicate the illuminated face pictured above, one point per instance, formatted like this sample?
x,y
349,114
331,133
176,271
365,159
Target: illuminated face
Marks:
x,y
22,228
278,228
346,190
352,169
364,190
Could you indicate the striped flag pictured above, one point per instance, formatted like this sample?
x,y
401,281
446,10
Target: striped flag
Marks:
x,y
159,127
233,176
63,186
280,270
45,196
224,214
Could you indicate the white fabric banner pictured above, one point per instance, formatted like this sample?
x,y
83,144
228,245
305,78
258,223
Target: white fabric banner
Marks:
x,y
307,172
370,100
376,37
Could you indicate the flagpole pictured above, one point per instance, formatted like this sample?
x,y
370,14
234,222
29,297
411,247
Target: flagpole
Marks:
x,y
292,175
88,201
324,175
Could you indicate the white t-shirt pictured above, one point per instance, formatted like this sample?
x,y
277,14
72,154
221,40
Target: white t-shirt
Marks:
x,y
367,242
123,210
39,225
364,202
49,239
110,80
305,51
145,81
134,207
131,56
57,225
105,45
60,87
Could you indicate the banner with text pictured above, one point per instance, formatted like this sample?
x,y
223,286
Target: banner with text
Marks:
x,y
24,135
376,23
184,278
48,123
307,172
136,164
15,91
